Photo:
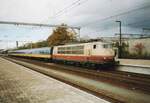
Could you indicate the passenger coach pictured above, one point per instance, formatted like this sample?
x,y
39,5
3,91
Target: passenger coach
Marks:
x,y
44,53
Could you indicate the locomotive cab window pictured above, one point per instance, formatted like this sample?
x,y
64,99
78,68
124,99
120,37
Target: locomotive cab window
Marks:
x,y
107,45
94,46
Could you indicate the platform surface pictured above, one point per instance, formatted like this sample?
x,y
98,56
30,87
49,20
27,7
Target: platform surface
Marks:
x,y
134,62
134,65
22,85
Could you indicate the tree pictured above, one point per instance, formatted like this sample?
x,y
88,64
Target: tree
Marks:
x,y
125,49
38,44
61,35
139,48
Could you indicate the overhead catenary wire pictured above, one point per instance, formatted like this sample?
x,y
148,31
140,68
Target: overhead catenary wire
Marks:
x,y
116,15
64,9
60,11
113,16
138,24
70,7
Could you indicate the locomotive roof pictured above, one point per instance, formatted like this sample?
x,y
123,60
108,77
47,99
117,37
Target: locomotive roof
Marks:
x,y
22,50
84,43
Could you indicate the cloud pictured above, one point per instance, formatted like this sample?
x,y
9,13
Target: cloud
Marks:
x,y
94,16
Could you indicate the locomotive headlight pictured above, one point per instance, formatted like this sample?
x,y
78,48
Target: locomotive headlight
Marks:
x,y
104,58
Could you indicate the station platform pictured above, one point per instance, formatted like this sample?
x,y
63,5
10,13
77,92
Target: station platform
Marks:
x,y
19,84
134,65
135,62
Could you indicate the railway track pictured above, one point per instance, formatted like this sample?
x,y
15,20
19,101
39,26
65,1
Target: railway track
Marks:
x,y
131,81
128,80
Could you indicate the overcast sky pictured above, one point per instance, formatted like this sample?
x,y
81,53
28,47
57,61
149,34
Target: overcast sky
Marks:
x,y
95,17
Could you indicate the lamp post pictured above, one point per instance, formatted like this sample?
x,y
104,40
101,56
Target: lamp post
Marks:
x,y
17,44
79,34
120,41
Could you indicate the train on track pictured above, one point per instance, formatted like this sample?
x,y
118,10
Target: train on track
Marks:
x,y
94,53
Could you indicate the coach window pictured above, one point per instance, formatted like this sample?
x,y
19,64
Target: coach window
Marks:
x,y
94,46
